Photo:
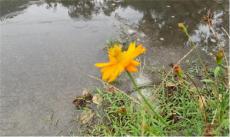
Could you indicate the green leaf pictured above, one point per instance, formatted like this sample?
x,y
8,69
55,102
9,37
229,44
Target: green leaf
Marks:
x,y
217,71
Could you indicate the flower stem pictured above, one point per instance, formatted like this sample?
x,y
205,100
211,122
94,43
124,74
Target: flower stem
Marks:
x,y
144,98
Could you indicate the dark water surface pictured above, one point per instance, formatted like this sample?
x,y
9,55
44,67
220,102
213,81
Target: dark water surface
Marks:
x,y
48,47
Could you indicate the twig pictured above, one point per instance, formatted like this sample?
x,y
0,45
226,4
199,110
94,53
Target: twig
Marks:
x,y
225,32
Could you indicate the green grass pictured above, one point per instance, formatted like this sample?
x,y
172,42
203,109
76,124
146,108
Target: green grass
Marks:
x,y
194,102
180,106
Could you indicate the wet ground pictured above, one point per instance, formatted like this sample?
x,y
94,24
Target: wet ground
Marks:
x,y
48,47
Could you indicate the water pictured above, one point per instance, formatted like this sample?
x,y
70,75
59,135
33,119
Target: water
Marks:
x,y
49,47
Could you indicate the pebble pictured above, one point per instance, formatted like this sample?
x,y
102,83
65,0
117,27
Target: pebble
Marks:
x,y
162,39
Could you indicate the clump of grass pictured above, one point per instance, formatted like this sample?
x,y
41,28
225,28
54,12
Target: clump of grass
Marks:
x,y
186,108
186,103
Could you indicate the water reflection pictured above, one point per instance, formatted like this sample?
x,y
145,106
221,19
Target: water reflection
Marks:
x,y
156,11
76,8
160,16
7,7
86,8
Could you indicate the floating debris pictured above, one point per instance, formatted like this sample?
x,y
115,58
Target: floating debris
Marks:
x,y
81,101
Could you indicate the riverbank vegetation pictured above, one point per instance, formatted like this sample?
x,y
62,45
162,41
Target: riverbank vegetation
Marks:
x,y
192,101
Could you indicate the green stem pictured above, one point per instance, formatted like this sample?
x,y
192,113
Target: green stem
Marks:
x,y
144,98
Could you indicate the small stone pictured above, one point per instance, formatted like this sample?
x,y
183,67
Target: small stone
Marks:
x,y
172,16
162,39
168,6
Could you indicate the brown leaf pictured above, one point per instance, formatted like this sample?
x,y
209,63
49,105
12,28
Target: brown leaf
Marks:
x,y
174,117
208,131
79,102
170,85
87,95
111,89
170,88
122,110
144,126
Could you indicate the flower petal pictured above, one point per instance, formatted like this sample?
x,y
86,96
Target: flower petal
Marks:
x,y
116,73
135,63
100,65
131,68
133,51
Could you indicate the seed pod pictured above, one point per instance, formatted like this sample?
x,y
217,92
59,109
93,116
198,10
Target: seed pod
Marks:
x,y
183,28
178,71
219,56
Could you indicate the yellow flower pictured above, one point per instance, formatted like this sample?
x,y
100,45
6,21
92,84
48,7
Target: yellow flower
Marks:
x,y
120,61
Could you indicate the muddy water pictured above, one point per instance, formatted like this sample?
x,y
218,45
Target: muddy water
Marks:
x,y
48,47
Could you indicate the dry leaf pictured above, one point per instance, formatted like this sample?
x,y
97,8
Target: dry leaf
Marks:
x,y
79,102
174,117
170,88
122,110
170,85
111,89
202,103
97,99
87,95
144,126
208,131
86,116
